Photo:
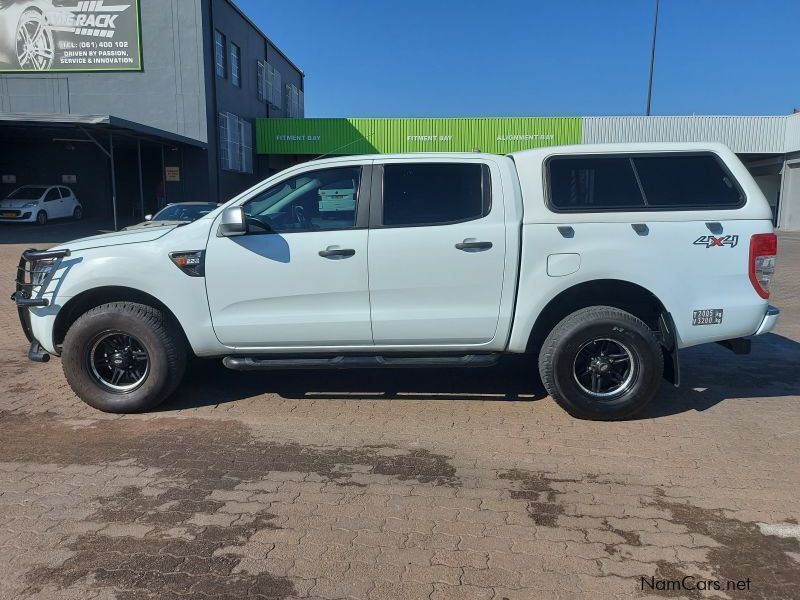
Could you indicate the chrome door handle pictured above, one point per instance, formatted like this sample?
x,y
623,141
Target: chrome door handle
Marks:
x,y
473,245
336,252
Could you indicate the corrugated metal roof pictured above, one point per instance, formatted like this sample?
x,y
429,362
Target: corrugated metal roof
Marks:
x,y
792,133
758,134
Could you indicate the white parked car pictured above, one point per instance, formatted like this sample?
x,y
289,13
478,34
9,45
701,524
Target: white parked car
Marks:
x,y
40,203
600,262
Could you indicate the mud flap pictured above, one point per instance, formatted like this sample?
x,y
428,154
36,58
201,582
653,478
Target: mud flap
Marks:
x,y
672,365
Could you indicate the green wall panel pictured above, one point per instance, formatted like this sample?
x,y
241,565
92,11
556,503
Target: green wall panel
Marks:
x,y
382,136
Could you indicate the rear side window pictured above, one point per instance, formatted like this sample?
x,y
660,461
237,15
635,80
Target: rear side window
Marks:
x,y
417,194
641,182
686,182
593,183
65,193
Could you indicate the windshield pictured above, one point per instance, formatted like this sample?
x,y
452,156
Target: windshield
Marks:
x,y
184,212
26,193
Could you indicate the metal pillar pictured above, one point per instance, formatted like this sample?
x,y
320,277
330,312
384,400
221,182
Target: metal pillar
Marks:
x,y
141,185
163,177
113,179
652,60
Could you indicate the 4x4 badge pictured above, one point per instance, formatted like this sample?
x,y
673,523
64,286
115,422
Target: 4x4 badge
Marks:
x,y
710,241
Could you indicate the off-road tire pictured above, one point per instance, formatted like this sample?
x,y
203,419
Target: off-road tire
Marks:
x,y
557,360
161,338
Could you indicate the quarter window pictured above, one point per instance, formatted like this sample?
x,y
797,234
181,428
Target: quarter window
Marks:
x,y
434,193
219,54
312,201
593,183
642,182
686,182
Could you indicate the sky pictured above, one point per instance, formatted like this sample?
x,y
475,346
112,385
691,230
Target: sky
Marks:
x,y
440,58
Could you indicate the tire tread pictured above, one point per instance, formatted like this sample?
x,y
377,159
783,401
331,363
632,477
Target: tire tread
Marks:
x,y
168,334
586,315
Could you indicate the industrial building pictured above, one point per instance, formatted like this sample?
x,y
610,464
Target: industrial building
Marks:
x,y
135,103
768,145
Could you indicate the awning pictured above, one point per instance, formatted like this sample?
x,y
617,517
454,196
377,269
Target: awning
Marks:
x,y
109,123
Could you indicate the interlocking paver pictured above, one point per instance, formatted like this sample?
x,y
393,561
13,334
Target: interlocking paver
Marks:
x,y
399,484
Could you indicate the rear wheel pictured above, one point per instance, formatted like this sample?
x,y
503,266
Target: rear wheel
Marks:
x,y
77,214
123,357
41,217
601,363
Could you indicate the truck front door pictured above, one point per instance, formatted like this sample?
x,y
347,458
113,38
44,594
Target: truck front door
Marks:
x,y
437,251
298,278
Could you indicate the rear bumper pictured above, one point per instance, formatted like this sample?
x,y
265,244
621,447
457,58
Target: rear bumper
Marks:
x,y
769,321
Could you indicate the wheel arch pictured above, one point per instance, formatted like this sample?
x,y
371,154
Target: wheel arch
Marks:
x,y
89,299
625,295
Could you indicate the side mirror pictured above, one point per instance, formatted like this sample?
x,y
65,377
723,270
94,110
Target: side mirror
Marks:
x,y
148,217
232,222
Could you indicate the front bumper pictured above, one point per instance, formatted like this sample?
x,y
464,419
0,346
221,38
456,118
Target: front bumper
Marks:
x,y
18,216
24,299
769,321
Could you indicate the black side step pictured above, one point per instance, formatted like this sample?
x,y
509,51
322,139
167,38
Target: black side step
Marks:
x,y
264,363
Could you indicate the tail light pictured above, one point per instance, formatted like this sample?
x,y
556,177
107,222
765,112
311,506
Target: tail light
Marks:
x,y
763,250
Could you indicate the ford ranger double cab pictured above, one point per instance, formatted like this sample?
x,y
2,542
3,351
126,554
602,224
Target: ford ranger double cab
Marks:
x,y
600,262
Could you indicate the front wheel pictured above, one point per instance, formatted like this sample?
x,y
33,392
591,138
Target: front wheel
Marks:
x,y
601,363
123,357
41,217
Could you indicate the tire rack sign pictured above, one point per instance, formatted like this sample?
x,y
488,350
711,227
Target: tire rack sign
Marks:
x,y
69,35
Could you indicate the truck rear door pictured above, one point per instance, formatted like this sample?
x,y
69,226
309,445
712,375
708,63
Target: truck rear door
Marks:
x,y
437,250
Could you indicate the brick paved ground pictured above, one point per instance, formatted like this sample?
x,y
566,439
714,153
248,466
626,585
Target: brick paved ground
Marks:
x,y
464,484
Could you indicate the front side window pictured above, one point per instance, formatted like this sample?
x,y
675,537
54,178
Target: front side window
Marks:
x,y
316,200
219,54
434,193
236,59
52,194
593,183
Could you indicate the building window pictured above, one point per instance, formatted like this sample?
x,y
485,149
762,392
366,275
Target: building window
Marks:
x,y
235,143
236,59
261,80
294,101
219,53
270,86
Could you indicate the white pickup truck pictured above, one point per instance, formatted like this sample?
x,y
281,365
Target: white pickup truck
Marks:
x,y
600,261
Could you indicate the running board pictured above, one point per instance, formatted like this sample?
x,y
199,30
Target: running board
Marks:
x,y
262,363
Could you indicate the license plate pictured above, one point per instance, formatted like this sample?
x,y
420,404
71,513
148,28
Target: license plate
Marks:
x,y
8,214
708,316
